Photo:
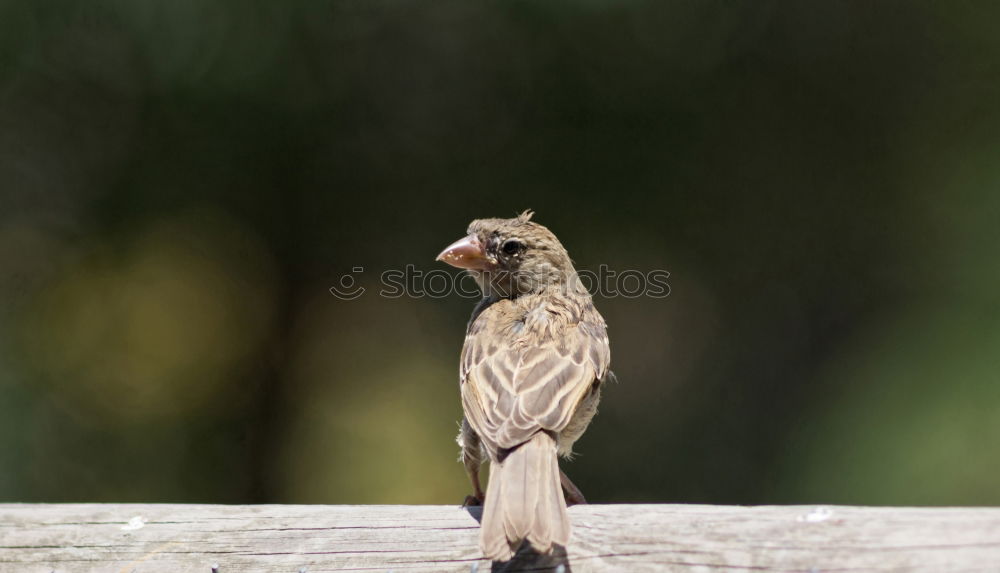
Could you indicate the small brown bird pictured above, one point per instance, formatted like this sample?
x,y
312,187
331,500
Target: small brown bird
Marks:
x,y
535,356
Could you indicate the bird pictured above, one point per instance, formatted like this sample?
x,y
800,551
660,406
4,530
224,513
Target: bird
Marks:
x,y
535,357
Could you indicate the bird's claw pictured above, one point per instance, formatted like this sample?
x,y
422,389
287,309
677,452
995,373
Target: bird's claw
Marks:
x,y
572,493
575,498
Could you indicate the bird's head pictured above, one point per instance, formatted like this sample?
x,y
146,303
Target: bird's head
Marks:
x,y
512,257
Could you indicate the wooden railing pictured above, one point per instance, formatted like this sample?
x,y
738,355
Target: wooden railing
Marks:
x,y
125,538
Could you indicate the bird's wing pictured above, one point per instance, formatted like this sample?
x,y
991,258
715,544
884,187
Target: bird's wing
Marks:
x,y
516,382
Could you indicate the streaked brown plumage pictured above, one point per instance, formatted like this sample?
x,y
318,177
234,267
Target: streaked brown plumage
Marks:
x,y
535,356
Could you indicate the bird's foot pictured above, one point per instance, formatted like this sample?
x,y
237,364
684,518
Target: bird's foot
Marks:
x,y
572,493
472,501
575,498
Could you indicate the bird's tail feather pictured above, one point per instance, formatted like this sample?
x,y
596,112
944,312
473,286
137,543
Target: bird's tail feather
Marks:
x,y
524,501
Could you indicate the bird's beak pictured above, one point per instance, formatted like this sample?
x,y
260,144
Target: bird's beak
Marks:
x,y
466,253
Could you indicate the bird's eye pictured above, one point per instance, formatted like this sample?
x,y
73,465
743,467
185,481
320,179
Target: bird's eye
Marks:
x,y
511,247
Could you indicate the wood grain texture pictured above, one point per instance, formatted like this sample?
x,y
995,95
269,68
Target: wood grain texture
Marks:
x,y
124,538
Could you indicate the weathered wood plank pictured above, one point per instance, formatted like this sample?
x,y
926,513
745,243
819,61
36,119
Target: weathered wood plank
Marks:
x,y
288,539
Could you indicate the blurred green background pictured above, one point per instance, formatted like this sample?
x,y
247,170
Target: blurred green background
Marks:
x,y
182,182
